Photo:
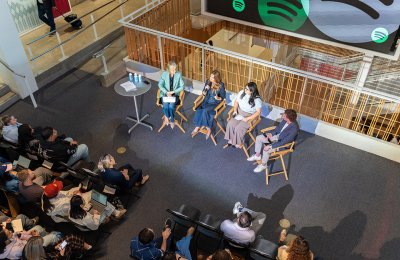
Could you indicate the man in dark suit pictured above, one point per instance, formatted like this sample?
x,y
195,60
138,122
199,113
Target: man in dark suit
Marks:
x,y
285,133
45,11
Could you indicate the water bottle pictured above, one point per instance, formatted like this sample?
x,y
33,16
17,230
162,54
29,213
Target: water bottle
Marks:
x,y
135,77
130,77
140,77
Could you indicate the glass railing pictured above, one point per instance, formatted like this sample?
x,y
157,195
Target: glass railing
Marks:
x,y
99,19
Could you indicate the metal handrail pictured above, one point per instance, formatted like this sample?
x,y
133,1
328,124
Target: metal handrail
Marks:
x,y
25,80
248,58
79,32
94,10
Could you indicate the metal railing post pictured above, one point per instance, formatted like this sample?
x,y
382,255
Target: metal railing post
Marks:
x,y
94,27
103,59
30,52
160,51
203,64
30,93
61,47
121,9
303,92
250,70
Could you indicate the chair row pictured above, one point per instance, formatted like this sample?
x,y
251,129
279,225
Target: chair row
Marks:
x,y
208,237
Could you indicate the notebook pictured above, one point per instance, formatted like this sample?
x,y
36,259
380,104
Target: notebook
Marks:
x,y
23,162
16,225
169,99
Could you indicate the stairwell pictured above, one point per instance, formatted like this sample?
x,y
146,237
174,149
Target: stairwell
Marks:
x,y
7,97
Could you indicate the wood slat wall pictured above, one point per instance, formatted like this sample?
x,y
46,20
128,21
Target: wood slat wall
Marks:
x,y
359,112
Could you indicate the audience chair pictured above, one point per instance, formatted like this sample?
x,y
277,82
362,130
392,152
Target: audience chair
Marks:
x,y
179,122
218,110
185,216
263,249
237,248
278,154
13,203
208,236
253,123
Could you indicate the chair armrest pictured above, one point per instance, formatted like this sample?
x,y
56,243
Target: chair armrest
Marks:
x,y
288,148
267,129
198,102
158,98
253,123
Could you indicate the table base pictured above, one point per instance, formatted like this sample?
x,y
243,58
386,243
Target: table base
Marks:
x,y
139,122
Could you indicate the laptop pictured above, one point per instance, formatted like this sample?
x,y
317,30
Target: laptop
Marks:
x,y
98,201
22,163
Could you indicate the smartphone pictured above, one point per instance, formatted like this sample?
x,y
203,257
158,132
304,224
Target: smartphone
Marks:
x,y
63,245
14,164
9,227
146,82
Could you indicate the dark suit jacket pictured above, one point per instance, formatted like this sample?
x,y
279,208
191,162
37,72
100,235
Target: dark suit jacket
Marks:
x,y
288,134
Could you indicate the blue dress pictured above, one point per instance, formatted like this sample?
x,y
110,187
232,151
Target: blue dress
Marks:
x,y
205,113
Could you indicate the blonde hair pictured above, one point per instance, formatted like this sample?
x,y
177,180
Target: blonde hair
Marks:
x,y
171,63
23,175
105,162
34,250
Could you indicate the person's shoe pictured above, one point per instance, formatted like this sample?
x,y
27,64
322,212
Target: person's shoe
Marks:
x,y
166,121
119,213
253,158
237,208
190,231
35,220
208,134
172,125
168,223
145,179
52,33
260,168
282,236
195,130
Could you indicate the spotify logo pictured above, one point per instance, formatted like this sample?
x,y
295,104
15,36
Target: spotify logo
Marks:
x,y
379,35
355,21
284,14
238,5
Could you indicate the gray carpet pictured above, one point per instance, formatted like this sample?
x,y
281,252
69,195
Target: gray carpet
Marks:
x,y
345,201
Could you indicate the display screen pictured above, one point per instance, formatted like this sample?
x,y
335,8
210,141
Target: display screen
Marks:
x,y
369,24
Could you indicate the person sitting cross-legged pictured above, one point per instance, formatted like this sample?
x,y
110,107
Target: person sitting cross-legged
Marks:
x,y
244,228
285,133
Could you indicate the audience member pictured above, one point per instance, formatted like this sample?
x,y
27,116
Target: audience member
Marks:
x,y
28,139
8,176
30,183
66,150
221,254
285,133
45,13
34,248
247,106
124,177
12,243
10,129
298,249
244,228
56,203
27,223
171,85
214,93
144,246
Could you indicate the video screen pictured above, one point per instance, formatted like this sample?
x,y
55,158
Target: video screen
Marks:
x,y
369,24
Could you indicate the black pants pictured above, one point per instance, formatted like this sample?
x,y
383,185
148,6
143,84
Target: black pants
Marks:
x,y
135,175
46,14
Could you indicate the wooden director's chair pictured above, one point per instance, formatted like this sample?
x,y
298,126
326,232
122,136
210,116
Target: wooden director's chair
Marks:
x,y
177,110
253,123
278,154
218,110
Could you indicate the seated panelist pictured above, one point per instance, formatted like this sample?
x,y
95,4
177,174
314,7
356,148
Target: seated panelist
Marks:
x,y
285,133
247,106
171,85
214,93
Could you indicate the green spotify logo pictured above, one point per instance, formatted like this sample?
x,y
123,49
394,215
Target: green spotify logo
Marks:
x,y
238,5
284,14
379,35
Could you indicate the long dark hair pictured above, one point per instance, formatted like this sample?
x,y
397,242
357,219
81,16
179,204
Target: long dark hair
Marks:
x,y
46,204
3,239
254,93
25,134
76,211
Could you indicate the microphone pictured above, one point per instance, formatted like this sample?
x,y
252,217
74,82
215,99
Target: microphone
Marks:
x,y
208,86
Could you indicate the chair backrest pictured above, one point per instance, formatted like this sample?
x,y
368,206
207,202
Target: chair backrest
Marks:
x,y
158,101
220,108
253,123
263,249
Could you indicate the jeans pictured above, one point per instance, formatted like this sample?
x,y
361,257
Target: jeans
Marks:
x,y
81,153
49,239
259,147
27,223
46,14
169,111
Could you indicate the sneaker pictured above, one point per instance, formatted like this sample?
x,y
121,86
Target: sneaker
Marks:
x,y
168,223
172,125
237,208
119,213
260,168
253,158
145,179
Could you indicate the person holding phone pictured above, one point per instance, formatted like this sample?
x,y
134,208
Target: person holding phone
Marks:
x,y
171,85
214,93
247,106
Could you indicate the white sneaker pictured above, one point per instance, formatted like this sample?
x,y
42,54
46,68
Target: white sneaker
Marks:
x,y
237,208
260,168
253,158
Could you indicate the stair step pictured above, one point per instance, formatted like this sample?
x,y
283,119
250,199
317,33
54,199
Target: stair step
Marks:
x,y
4,89
8,100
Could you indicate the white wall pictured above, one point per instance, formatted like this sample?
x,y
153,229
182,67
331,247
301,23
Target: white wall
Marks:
x,y
12,52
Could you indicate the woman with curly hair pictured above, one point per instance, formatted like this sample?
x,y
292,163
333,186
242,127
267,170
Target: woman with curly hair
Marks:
x,y
299,249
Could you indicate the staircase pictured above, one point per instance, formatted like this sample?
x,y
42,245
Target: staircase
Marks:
x,y
7,97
